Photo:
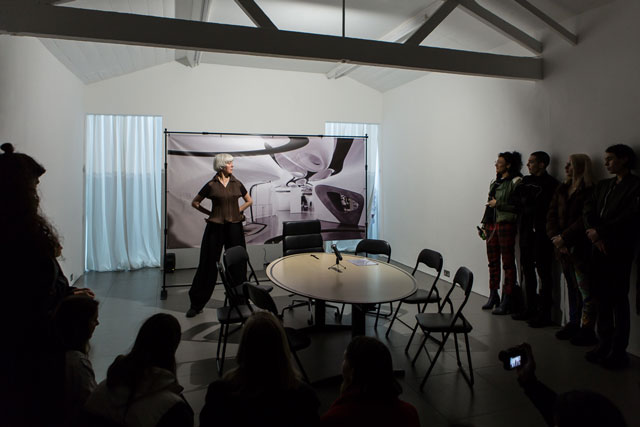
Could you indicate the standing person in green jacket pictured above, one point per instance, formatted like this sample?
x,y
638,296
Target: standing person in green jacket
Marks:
x,y
611,223
499,225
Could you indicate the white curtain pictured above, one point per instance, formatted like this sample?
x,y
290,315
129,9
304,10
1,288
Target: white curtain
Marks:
x,y
373,183
123,192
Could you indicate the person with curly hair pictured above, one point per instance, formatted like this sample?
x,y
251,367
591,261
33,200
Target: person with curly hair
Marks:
x,y
32,285
499,226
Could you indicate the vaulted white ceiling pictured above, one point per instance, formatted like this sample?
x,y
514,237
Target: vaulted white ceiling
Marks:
x,y
387,20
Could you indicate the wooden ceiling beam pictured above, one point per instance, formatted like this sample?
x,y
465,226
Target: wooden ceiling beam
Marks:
x,y
36,20
432,23
553,24
502,26
257,15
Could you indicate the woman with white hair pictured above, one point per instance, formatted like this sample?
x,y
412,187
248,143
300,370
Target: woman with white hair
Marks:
x,y
224,228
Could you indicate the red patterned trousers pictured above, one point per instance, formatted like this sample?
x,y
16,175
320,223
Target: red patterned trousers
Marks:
x,y
501,241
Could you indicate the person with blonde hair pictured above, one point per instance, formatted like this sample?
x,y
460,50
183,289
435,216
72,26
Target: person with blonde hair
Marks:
x,y
265,388
565,228
224,228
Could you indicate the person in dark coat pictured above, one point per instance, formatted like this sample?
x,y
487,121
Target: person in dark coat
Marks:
x,y
611,222
536,250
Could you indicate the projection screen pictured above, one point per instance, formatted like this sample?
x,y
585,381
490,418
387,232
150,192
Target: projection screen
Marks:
x,y
288,178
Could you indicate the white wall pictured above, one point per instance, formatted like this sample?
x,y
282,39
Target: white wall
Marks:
x,y
41,113
447,130
218,98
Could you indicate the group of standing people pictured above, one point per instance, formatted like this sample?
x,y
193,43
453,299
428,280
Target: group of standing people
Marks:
x,y
591,227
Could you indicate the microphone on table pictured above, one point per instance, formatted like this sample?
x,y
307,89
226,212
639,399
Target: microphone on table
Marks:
x,y
337,252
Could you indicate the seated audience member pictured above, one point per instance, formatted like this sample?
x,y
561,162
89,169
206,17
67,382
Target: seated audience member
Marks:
x,y
74,321
141,388
265,389
369,391
581,408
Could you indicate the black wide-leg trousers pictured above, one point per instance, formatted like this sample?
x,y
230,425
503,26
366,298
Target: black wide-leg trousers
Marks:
x,y
216,236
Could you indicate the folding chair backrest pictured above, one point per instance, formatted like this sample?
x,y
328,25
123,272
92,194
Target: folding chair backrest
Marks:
x,y
374,247
234,256
301,237
261,298
235,294
464,279
431,259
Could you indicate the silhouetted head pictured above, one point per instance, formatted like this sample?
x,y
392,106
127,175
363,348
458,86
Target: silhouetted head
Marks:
x,y
368,369
74,321
24,228
264,358
155,346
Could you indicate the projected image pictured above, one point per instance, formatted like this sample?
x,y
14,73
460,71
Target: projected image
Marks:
x,y
288,178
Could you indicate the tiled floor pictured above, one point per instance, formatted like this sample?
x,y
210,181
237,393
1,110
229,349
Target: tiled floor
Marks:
x,y
128,298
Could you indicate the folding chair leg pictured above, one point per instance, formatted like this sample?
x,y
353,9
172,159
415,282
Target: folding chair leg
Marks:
x,y
302,371
375,325
433,361
455,340
393,319
466,341
224,331
424,341
413,332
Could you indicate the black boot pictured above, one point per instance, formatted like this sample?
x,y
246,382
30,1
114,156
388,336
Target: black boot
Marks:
x,y
505,306
493,301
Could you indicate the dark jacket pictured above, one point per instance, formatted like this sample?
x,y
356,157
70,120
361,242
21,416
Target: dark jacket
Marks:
x,y
564,217
534,196
506,210
613,211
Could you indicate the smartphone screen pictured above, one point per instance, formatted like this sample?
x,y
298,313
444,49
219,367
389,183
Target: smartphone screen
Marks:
x,y
514,362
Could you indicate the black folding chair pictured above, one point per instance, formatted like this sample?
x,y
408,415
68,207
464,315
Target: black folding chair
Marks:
x,y
431,259
374,247
447,324
302,237
236,311
234,257
298,340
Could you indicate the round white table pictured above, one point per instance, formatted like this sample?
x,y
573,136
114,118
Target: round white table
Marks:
x,y
315,275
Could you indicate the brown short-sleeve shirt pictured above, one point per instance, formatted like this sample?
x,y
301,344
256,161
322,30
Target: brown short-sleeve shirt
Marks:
x,y
224,200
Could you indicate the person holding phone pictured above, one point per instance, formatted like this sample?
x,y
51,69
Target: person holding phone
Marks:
x,y
224,228
573,408
500,225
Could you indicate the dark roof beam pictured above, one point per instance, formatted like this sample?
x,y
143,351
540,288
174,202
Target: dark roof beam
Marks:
x,y
257,16
502,26
430,24
37,20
